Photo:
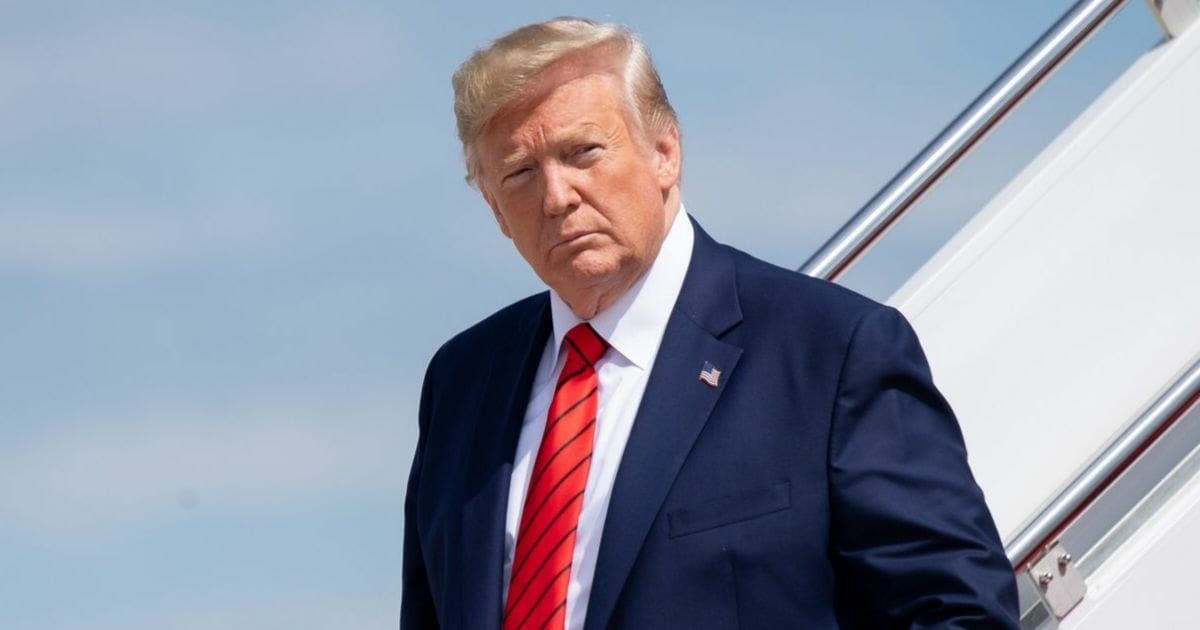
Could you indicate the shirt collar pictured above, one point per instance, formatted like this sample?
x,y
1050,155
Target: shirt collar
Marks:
x,y
635,323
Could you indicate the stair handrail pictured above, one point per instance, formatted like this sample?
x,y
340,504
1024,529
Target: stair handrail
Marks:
x,y
1106,467
846,246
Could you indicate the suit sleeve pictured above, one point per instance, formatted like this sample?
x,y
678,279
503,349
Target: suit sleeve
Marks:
x,y
913,543
416,601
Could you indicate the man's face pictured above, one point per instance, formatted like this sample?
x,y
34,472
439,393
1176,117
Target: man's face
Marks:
x,y
574,184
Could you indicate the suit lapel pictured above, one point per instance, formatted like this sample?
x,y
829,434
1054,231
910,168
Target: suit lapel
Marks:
x,y
674,409
493,446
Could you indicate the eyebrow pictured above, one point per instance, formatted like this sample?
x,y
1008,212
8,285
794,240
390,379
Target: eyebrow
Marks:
x,y
579,134
513,159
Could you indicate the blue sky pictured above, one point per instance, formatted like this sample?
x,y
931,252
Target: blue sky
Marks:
x,y
232,234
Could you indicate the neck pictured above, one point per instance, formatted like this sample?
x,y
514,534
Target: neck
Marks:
x,y
588,306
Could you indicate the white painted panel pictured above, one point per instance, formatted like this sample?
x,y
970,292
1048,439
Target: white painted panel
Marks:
x,y
1150,582
1074,296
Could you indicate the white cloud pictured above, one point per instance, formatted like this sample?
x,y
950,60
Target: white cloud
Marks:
x,y
154,462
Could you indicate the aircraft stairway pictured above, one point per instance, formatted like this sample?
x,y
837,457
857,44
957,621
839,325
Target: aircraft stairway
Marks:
x,y
1063,325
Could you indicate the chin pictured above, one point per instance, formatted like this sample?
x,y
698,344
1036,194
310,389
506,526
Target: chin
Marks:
x,y
592,268
599,263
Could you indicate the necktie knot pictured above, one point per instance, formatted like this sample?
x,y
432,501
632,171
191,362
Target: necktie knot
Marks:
x,y
584,341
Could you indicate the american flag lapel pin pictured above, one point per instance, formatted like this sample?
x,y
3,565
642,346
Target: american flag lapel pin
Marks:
x,y
710,375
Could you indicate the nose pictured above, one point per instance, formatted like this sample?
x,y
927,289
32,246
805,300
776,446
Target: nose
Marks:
x,y
560,194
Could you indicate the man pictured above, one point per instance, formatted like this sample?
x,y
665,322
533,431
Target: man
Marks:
x,y
676,435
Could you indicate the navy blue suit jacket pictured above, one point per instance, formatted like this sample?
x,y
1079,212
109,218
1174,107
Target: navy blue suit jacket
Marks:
x,y
823,483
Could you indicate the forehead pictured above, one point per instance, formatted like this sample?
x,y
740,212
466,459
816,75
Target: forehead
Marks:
x,y
553,109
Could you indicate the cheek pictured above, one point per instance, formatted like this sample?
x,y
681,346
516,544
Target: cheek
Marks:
x,y
519,211
629,185
525,229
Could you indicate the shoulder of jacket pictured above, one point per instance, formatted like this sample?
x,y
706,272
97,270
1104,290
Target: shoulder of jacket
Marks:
x,y
493,329
767,288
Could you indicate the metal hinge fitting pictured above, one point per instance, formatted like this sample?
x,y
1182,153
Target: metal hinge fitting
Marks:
x,y
1058,581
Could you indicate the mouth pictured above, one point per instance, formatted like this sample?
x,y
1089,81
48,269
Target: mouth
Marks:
x,y
573,239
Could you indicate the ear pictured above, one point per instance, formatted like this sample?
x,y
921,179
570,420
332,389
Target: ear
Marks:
x,y
668,157
491,202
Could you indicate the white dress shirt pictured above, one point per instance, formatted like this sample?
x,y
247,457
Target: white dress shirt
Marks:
x,y
633,327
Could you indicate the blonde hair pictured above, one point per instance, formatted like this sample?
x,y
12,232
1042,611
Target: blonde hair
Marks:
x,y
495,74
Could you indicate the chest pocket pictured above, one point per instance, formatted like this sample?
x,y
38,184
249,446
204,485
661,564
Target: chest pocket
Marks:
x,y
728,510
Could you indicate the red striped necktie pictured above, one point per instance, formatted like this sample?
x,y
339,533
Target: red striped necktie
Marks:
x,y
541,570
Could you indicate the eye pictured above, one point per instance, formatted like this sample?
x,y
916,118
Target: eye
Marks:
x,y
586,153
587,149
517,173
